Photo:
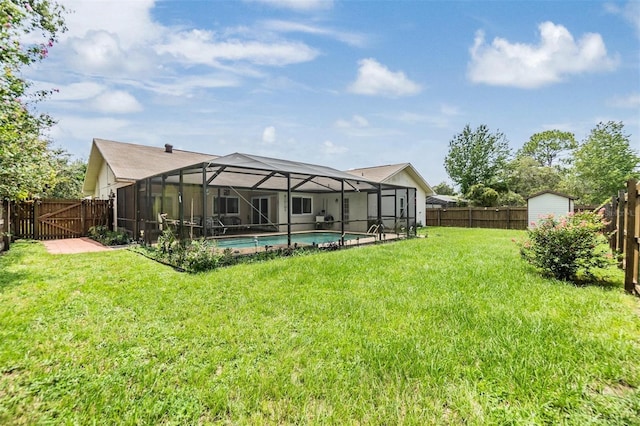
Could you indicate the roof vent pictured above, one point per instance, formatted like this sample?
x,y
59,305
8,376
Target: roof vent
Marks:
x,y
168,148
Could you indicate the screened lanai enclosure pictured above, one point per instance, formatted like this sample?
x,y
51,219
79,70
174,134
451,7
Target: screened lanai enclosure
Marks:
x,y
242,194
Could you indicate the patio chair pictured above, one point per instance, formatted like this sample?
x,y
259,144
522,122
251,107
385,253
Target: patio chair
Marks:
x,y
215,226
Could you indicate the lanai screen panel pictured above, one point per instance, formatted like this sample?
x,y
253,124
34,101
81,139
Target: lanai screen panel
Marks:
x,y
187,194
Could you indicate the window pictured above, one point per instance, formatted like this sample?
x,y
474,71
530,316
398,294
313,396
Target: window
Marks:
x,y
226,205
300,205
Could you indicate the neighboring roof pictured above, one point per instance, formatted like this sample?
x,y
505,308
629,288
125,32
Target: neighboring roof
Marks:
x,y
560,194
385,173
439,199
131,162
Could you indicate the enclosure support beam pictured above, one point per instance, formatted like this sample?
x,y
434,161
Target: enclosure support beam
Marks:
x,y
164,194
215,175
342,214
379,213
406,209
288,210
266,178
203,222
181,205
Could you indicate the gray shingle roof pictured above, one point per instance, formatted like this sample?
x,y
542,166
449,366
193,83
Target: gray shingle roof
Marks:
x,y
131,162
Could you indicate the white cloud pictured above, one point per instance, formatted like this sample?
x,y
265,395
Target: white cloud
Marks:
x,y
71,92
630,12
529,66
629,101
299,5
98,52
199,47
351,39
185,86
85,129
330,148
269,135
117,101
449,110
443,118
130,20
376,79
355,121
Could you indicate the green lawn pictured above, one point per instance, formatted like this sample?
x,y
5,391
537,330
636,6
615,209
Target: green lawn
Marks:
x,y
449,329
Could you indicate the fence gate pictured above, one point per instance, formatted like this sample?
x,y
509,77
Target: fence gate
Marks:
x,y
53,219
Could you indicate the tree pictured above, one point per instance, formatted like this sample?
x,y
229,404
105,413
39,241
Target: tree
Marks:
x,y
525,176
482,196
476,157
68,179
547,146
604,162
444,189
25,160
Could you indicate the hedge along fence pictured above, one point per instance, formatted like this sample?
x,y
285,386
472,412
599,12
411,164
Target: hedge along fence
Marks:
x,y
479,217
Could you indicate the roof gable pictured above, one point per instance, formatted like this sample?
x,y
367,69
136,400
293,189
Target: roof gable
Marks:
x,y
383,174
131,162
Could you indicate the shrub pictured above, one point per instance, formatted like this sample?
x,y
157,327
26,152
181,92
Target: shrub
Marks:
x,y
104,236
200,255
568,246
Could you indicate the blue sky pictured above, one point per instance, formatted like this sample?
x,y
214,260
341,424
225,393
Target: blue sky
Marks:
x,y
345,84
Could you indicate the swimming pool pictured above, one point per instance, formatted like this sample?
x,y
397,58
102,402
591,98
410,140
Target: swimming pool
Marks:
x,y
303,238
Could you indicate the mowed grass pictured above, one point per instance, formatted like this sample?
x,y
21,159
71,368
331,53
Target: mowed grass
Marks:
x,y
449,329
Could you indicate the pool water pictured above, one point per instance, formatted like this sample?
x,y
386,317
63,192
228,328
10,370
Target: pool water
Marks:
x,y
307,238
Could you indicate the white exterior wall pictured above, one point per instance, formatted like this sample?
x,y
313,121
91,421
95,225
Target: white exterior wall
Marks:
x,y
105,185
331,207
546,204
403,179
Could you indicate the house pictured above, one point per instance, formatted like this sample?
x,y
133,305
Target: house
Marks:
x,y
114,165
546,203
212,194
400,174
443,201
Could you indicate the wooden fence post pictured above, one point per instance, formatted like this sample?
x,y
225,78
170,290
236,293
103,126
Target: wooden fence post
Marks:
x,y
620,221
632,241
36,213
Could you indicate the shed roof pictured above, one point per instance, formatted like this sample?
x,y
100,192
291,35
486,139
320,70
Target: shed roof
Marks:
x,y
548,191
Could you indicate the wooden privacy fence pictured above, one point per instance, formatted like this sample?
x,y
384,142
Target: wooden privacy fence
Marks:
x,y
626,238
51,219
479,217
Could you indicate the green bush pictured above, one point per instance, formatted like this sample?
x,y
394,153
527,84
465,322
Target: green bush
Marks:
x,y
200,255
570,247
103,235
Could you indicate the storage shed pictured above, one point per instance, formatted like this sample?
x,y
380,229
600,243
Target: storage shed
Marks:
x,y
548,202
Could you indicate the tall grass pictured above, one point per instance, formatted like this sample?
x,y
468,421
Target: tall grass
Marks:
x,y
449,329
